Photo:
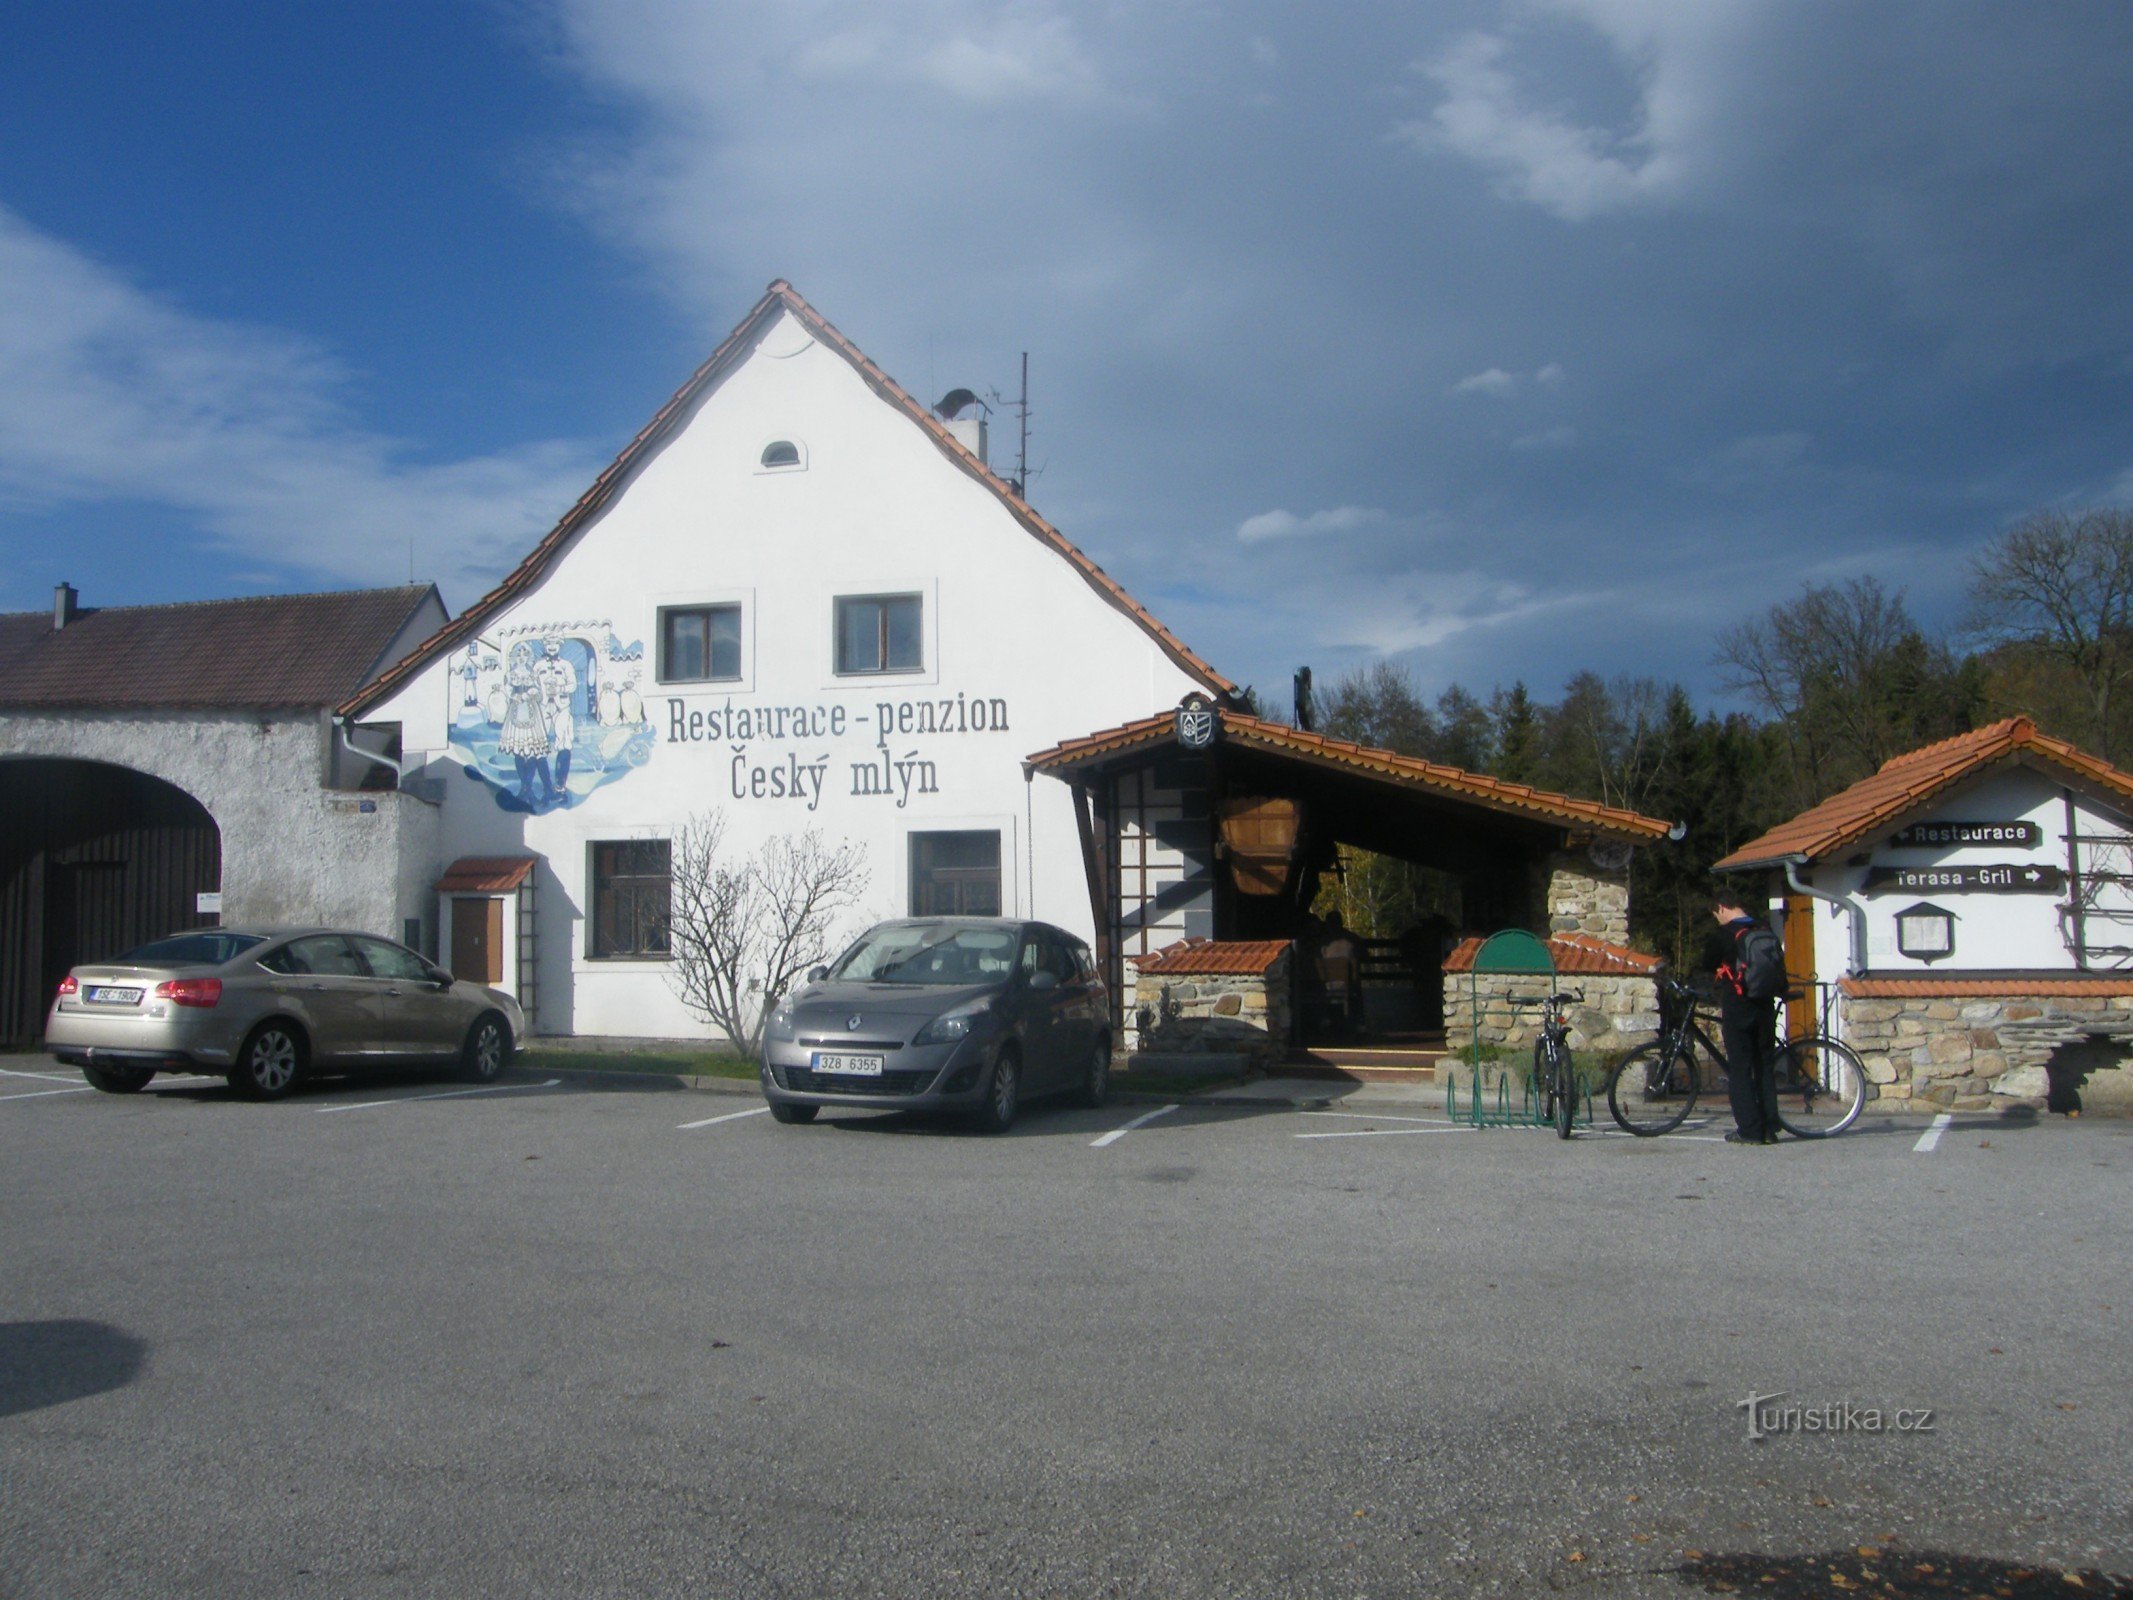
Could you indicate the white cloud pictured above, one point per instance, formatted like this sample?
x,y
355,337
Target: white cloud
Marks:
x,y
1556,438
109,394
1421,610
1495,382
1551,376
1680,60
1287,525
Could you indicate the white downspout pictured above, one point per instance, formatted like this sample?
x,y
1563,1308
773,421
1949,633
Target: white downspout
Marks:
x,y
1857,963
340,730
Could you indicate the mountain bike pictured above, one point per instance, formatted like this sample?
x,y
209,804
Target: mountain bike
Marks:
x,y
1821,1086
1554,1078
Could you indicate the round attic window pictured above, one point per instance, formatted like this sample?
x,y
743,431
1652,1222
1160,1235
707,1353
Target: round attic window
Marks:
x,y
780,454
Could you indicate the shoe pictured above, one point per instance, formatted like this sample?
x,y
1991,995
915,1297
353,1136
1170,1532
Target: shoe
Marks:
x,y
1770,1138
1737,1137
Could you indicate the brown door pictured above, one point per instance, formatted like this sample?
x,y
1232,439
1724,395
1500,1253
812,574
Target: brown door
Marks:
x,y
478,938
1802,1009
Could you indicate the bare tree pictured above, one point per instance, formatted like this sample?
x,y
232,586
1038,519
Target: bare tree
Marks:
x,y
742,931
2061,587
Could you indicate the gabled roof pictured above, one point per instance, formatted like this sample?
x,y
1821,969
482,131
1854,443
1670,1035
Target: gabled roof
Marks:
x,y
1278,738
1908,782
673,416
263,652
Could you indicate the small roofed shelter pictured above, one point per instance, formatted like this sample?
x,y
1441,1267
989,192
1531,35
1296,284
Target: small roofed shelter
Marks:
x,y
486,922
1208,823
1966,913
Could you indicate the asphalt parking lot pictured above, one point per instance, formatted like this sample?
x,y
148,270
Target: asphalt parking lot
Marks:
x,y
571,1338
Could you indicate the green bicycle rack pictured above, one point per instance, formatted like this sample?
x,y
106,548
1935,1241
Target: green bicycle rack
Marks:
x,y
1513,951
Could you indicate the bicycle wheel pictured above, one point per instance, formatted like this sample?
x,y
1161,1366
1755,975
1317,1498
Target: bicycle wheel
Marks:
x,y
1651,1094
1564,1077
1543,1081
1821,1087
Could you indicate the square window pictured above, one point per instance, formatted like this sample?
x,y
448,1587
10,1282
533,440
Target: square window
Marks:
x,y
699,644
880,633
631,899
955,874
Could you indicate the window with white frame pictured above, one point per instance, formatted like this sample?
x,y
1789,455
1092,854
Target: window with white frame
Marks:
x,y
878,633
699,644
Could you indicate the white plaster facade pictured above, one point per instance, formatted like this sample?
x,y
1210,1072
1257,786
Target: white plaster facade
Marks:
x,y
1999,930
1020,649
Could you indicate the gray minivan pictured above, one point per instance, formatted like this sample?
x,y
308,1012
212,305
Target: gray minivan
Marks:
x,y
970,1014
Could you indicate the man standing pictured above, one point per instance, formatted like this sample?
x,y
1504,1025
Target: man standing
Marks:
x,y
559,689
1747,1015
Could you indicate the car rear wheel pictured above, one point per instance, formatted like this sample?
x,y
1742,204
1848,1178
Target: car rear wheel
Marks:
x,y
118,1080
1004,1096
781,1112
270,1063
1096,1077
487,1049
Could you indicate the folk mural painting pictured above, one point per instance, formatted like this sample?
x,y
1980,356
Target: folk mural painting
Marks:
x,y
548,713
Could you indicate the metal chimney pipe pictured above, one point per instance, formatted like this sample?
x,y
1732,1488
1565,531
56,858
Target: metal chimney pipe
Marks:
x,y
64,608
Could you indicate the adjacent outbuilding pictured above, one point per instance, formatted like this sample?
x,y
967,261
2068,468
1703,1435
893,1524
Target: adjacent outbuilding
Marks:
x,y
1968,912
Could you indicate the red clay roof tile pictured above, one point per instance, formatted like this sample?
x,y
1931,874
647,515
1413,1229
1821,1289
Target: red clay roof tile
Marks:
x,y
1575,955
1280,738
2038,987
1909,781
485,874
1211,958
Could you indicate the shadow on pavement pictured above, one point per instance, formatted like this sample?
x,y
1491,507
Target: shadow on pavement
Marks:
x,y
1901,1574
49,1363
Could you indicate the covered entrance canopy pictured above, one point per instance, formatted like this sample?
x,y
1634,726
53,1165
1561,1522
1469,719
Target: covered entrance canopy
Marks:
x,y
1208,823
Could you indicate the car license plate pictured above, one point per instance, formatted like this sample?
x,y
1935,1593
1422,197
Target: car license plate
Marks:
x,y
855,1066
98,995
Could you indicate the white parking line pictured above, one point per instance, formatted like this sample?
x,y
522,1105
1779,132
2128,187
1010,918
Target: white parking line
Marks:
x,y
45,1077
1140,1121
1931,1137
39,1094
449,1094
1378,1133
731,1116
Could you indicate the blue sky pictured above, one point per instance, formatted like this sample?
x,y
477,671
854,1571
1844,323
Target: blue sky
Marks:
x,y
1504,339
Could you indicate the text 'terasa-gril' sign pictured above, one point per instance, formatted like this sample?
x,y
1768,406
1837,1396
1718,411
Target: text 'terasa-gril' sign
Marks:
x,y
2006,877
2025,834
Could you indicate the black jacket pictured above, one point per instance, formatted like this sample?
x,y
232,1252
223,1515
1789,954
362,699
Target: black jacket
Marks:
x,y
1722,956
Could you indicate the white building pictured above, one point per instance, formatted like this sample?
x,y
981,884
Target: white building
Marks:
x,y
798,600
1971,907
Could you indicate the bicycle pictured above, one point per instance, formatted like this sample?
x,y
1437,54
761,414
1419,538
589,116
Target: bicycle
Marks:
x,y
1821,1086
1554,1077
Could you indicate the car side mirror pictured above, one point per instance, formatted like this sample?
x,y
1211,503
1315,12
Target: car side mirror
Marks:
x,y
1040,981
442,978
817,974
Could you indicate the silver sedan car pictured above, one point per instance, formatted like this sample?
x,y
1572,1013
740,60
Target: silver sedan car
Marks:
x,y
265,1006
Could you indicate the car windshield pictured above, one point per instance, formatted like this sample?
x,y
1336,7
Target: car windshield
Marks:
x,y
207,948
928,954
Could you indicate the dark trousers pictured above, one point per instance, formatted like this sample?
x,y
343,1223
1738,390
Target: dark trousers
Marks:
x,y
1749,1032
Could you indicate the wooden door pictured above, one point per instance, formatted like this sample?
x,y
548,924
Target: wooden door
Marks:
x,y
478,938
1802,1008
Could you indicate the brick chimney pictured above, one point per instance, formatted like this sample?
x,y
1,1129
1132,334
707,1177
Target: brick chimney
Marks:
x,y
64,606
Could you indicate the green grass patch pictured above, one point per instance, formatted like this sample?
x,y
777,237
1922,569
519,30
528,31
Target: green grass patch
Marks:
x,y
664,1062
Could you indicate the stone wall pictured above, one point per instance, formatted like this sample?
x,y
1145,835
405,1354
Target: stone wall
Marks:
x,y
1584,898
1973,1053
1194,1013
1617,1013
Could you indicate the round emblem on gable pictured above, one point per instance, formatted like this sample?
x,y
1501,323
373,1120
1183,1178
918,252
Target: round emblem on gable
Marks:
x,y
1198,722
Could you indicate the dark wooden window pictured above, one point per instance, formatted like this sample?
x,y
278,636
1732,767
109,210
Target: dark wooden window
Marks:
x,y
631,899
955,874
880,633
699,644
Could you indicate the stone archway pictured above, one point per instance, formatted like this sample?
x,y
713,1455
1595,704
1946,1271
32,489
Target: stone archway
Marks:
x,y
94,858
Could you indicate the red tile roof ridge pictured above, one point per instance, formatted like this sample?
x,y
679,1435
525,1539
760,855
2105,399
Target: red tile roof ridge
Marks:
x,y
1574,954
1237,957
1905,782
2015,987
780,294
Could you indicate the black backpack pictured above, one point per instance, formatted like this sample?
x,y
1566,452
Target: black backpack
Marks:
x,y
1759,963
